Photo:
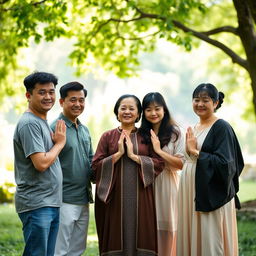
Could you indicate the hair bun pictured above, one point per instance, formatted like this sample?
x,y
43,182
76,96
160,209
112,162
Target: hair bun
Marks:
x,y
221,97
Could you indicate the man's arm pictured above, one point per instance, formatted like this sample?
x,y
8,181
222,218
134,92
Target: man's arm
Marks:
x,y
43,160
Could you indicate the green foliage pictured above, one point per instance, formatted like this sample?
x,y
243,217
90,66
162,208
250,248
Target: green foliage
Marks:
x,y
111,35
20,21
9,165
7,192
117,31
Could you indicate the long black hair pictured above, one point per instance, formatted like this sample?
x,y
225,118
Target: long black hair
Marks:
x,y
168,130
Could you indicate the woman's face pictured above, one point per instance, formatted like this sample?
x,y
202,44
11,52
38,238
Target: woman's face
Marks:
x,y
204,106
154,113
128,111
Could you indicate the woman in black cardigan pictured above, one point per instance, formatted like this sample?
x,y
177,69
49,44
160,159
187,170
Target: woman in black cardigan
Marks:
x,y
209,183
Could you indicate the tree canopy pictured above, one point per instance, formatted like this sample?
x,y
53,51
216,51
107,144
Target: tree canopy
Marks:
x,y
21,21
112,33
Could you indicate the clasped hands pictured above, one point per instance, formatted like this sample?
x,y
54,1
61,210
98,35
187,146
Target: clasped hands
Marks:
x,y
125,138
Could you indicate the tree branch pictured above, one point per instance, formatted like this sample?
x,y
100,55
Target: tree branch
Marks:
x,y
137,38
115,20
131,20
204,37
228,29
17,7
235,58
4,1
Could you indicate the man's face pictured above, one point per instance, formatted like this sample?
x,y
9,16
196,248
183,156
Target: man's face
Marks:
x,y
73,104
42,98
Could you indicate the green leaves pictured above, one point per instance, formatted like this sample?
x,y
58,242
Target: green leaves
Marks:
x,y
111,35
21,20
116,31
108,34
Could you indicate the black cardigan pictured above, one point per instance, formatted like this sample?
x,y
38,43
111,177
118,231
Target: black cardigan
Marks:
x,y
218,168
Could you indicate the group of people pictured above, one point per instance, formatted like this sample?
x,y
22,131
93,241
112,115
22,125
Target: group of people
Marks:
x,y
53,169
144,204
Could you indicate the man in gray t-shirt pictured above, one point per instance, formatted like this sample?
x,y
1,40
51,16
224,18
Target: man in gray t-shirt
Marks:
x,y
37,169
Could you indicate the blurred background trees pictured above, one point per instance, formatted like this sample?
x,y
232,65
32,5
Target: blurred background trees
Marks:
x,y
113,34
21,21
128,46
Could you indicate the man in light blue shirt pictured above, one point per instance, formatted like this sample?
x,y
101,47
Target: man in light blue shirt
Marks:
x,y
75,159
37,168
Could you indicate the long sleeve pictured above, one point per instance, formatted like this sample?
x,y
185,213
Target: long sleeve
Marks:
x,y
218,168
103,167
151,166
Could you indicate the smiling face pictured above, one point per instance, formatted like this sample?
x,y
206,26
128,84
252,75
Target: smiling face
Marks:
x,y
154,113
42,99
73,104
127,111
204,106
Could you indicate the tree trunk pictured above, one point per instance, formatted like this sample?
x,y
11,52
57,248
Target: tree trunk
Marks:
x,y
246,31
253,84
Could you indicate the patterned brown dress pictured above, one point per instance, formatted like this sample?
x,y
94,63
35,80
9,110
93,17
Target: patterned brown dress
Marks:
x,y
124,204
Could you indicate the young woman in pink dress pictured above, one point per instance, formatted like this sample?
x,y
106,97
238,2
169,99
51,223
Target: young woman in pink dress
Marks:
x,y
159,128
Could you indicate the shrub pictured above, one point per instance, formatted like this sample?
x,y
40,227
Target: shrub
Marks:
x,y
7,192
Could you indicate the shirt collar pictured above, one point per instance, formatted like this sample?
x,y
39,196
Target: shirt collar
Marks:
x,y
67,121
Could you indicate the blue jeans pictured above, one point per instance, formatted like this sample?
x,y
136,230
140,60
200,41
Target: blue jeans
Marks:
x,y
40,228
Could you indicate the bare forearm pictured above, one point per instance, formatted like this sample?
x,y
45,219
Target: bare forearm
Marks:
x,y
52,155
135,158
42,161
117,156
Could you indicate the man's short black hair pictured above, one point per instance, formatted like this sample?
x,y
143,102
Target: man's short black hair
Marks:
x,y
39,78
71,86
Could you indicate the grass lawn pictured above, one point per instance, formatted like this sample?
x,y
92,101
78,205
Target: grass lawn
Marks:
x,y
247,190
247,237
11,240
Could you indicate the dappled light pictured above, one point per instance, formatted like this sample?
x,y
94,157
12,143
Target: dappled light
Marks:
x,y
129,47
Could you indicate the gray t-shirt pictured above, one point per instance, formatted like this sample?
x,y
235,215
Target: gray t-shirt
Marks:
x,y
35,189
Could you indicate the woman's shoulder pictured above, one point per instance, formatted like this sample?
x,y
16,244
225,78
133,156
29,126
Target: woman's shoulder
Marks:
x,y
178,134
222,128
180,129
222,124
112,132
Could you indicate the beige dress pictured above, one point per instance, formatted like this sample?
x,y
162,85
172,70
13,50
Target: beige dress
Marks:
x,y
166,193
203,233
